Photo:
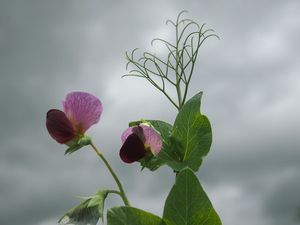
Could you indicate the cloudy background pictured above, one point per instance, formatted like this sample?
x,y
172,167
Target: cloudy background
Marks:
x,y
250,79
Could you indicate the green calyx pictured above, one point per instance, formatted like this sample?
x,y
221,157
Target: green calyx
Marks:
x,y
77,144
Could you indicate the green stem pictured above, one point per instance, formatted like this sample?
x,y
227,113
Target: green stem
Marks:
x,y
178,78
114,192
122,193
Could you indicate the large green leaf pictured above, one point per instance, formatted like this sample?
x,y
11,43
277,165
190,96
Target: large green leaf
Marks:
x,y
187,203
131,216
191,137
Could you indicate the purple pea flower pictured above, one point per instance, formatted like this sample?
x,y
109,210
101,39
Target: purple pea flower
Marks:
x,y
81,111
138,141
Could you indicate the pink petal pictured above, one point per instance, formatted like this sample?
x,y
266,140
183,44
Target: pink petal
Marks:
x,y
126,133
137,130
59,126
83,109
152,139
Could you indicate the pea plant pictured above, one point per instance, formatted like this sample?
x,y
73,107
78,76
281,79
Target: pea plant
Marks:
x,y
150,143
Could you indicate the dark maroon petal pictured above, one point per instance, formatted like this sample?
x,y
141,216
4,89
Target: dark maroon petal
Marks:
x,y
59,126
133,149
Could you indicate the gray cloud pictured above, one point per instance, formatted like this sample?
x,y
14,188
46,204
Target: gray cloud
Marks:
x,y
250,80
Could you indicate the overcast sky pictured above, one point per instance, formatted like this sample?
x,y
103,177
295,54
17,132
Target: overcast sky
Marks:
x,y
250,79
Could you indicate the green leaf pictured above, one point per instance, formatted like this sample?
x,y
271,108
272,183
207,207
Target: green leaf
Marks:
x,y
188,204
98,201
81,214
162,127
131,216
191,138
88,212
